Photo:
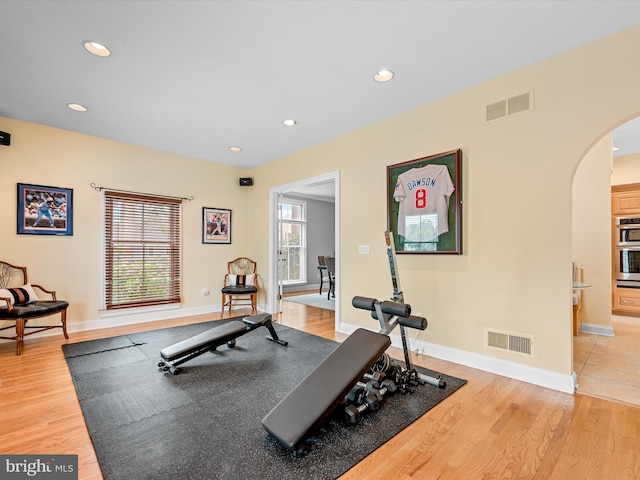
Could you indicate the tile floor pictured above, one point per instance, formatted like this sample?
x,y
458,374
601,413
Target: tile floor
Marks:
x,y
609,367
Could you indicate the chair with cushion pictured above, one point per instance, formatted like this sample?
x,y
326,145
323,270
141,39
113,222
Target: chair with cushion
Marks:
x,y
324,276
20,303
331,271
240,284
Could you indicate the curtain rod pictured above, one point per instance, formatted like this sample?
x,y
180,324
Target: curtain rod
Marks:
x,y
98,189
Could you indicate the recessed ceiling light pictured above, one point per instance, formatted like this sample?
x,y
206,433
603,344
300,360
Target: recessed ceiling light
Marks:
x,y
290,122
615,149
96,48
77,107
383,75
235,149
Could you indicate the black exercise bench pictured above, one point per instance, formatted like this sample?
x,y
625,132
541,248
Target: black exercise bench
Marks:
x,y
211,339
317,396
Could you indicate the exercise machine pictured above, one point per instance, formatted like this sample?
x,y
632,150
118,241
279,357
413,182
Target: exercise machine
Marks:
x,y
317,396
390,315
398,296
208,341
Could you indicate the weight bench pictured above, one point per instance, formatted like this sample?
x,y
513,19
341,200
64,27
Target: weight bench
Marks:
x,y
208,341
317,396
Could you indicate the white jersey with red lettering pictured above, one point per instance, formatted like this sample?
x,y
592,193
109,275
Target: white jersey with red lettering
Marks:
x,y
423,194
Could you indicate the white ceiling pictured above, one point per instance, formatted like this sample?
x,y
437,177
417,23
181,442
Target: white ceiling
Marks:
x,y
325,192
627,138
196,77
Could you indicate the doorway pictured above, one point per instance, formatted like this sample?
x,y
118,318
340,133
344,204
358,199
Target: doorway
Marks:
x,y
329,184
605,357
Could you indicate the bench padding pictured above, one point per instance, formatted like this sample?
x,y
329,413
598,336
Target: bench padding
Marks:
x,y
320,392
39,308
210,339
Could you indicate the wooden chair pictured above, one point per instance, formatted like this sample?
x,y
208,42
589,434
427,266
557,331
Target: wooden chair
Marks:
x,y
324,276
331,271
20,303
578,278
240,284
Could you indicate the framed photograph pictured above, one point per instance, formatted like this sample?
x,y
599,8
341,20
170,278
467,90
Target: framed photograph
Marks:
x,y
216,225
424,204
45,210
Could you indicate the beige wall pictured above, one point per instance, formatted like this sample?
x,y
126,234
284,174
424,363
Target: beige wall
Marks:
x,y
592,231
515,273
517,176
72,265
626,170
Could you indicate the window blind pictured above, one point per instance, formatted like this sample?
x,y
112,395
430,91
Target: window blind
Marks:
x,y
142,250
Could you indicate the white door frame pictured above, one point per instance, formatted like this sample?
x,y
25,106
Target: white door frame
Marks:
x,y
272,297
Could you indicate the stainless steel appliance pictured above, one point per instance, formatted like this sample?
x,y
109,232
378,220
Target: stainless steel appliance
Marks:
x,y
627,251
627,231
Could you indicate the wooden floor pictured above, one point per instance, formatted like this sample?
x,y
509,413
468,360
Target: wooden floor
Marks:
x,y
492,428
609,367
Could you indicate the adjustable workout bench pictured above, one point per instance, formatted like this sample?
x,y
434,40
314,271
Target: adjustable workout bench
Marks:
x,y
209,340
320,392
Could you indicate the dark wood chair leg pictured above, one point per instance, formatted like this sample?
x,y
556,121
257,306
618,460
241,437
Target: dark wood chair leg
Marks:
x,y
19,335
223,300
64,323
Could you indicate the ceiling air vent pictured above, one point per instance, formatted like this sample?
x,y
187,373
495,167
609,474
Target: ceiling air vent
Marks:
x,y
511,342
509,106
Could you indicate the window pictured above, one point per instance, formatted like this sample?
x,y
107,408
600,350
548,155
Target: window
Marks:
x,y
142,250
293,242
421,233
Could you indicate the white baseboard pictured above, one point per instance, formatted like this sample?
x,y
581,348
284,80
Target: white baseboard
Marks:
x,y
525,373
116,320
122,318
597,329
536,376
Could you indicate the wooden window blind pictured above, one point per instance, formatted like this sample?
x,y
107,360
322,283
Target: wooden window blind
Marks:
x,y
142,250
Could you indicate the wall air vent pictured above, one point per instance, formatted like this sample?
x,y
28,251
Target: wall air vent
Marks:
x,y
497,110
511,342
509,106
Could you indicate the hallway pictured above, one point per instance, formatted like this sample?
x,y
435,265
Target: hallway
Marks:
x,y
609,367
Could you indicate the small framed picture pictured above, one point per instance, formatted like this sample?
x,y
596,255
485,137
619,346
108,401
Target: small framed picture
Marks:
x,y
45,210
424,204
216,225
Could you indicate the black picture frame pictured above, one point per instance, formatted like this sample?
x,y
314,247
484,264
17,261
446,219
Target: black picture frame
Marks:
x,y
216,225
426,233
44,210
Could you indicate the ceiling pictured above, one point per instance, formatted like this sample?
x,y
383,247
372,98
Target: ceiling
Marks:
x,y
626,138
325,191
197,77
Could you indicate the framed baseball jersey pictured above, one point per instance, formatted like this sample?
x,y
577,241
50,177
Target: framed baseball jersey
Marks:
x,y
424,204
